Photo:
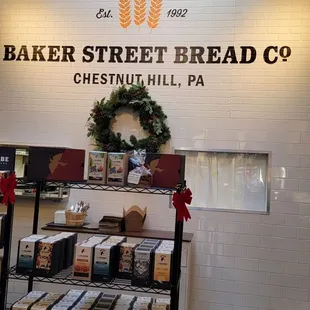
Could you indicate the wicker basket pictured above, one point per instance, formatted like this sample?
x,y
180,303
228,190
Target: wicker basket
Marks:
x,y
75,219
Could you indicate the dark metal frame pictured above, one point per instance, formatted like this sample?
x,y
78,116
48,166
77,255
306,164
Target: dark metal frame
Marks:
x,y
64,277
101,187
5,266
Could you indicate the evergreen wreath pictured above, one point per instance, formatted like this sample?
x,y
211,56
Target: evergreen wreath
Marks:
x,y
151,117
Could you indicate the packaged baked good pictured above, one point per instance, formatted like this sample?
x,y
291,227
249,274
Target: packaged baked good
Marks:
x,y
139,175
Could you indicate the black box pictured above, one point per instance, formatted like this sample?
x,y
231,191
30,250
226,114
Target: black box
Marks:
x,y
70,239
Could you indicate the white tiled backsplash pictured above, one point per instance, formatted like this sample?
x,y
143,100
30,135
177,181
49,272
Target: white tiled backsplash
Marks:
x,y
240,261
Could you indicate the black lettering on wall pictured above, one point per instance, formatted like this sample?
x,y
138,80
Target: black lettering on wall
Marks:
x,y
267,55
86,78
23,52
196,54
248,54
77,78
131,54
139,76
95,78
145,54
37,51
52,51
230,54
88,54
104,79
181,55
213,57
160,50
9,54
101,50
115,53
67,53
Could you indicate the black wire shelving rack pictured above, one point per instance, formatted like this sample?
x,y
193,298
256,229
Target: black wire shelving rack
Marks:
x,y
65,276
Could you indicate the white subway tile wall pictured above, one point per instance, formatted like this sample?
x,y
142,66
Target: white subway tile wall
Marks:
x,y
240,261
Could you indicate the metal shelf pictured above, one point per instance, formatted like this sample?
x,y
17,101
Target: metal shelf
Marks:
x,y
100,187
65,277
126,189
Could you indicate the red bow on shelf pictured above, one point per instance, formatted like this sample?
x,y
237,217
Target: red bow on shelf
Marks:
x,y
179,201
7,187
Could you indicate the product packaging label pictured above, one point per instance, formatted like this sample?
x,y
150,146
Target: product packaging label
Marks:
x,y
26,254
116,167
97,166
83,261
44,256
126,257
162,266
142,264
102,261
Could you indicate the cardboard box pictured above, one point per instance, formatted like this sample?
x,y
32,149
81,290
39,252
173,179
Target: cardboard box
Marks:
x,y
27,253
117,169
56,164
106,258
97,167
126,260
167,169
134,218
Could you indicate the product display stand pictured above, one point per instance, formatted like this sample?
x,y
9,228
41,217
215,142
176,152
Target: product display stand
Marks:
x,y
64,277
5,266
176,267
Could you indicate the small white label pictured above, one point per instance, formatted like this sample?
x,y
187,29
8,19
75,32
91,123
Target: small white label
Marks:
x,y
134,177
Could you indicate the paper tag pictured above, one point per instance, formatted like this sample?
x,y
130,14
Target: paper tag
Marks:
x,y
134,177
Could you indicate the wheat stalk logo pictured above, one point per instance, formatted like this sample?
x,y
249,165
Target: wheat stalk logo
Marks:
x,y
140,13
140,8
124,13
154,14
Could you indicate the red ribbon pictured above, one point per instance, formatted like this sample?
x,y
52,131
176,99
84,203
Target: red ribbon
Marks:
x,y
180,201
7,187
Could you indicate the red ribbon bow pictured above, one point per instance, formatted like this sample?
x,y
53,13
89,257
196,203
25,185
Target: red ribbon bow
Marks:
x,y
180,201
7,187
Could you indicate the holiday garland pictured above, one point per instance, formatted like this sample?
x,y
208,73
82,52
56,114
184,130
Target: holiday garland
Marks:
x,y
151,116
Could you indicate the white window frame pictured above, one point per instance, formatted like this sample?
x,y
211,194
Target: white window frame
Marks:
x,y
268,179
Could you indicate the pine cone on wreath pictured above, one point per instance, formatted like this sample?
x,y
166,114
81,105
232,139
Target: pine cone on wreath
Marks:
x,y
110,147
152,146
